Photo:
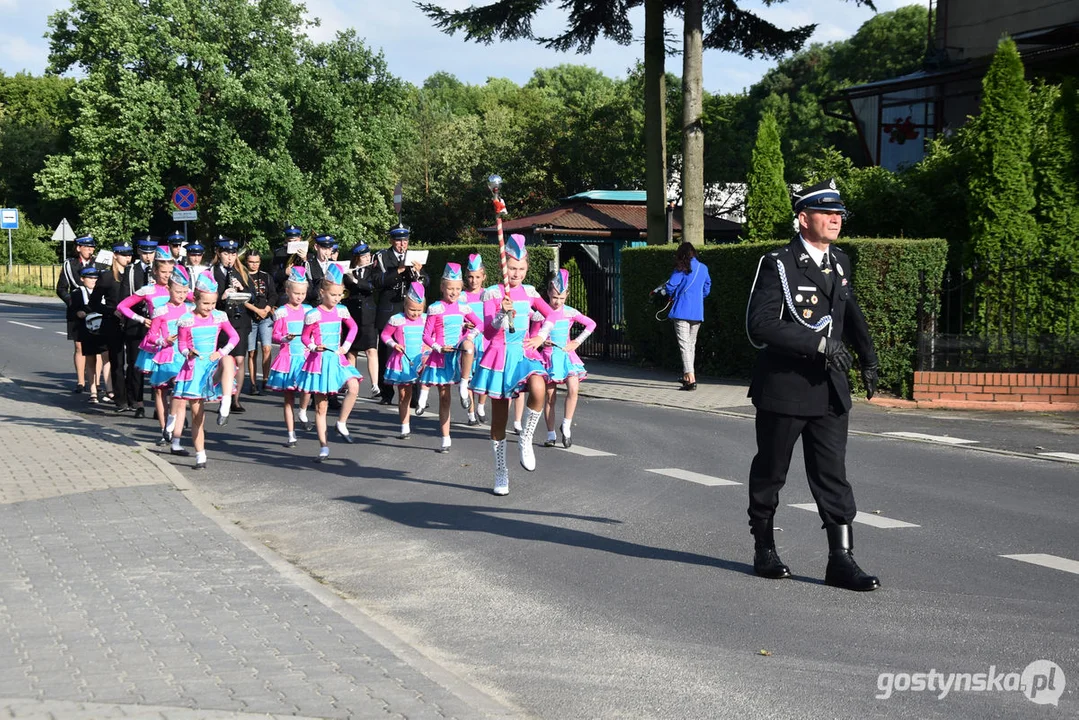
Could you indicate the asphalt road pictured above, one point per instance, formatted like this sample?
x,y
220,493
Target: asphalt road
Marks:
x,y
600,588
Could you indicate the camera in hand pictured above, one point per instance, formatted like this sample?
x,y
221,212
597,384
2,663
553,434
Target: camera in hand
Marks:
x,y
659,295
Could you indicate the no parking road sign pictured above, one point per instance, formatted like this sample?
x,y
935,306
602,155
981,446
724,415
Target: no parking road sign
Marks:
x,y
184,198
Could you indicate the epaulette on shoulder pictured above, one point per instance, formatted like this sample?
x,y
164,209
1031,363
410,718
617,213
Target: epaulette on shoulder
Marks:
x,y
220,316
186,320
159,311
312,316
530,291
492,293
280,313
436,308
146,290
342,312
397,320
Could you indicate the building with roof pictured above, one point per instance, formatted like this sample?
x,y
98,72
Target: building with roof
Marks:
x,y
896,117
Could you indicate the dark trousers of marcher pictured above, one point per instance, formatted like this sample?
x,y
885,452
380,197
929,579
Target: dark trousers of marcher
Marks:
x,y
133,377
117,348
824,443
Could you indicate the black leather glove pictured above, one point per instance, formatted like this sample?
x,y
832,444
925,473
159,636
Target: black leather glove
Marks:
x,y
870,377
836,355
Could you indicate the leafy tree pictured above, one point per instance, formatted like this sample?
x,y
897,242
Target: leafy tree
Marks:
x,y
578,293
768,204
30,245
36,114
230,97
1001,184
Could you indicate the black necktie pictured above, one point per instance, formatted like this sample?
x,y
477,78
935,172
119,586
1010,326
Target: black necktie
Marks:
x,y
827,272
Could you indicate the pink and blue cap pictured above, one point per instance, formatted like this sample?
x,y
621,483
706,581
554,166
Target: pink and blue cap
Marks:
x,y
206,283
297,274
452,271
179,276
515,247
163,254
560,281
417,293
475,262
334,275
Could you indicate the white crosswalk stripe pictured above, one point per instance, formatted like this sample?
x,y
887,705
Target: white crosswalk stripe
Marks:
x,y
943,439
586,452
1050,561
693,477
871,519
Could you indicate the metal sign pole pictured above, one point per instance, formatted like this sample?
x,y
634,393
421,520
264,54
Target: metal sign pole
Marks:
x,y
9,254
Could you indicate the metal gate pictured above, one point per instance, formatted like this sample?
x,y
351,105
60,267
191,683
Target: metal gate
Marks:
x,y
602,288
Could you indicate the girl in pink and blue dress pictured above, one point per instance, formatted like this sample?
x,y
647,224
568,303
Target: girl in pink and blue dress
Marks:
x,y
166,361
150,297
403,335
511,363
195,383
472,347
560,356
449,323
287,331
326,370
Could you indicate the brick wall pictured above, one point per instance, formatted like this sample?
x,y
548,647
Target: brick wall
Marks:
x,y
1033,391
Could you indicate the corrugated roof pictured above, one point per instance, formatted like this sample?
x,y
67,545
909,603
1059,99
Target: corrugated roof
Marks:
x,y
616,218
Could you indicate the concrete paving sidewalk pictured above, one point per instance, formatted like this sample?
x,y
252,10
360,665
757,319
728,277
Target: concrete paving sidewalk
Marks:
x,y
615,381
124,594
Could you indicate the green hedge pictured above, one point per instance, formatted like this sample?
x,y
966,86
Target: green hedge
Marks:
x,y
539,259
886,281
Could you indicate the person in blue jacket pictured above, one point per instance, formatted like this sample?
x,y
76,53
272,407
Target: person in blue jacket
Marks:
x,y
688,286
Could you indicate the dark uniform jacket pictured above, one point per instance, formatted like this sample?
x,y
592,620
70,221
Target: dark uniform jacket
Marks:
x,y
69,282
392,285
314,280
234,310
135,278
790,377
107,295
359,282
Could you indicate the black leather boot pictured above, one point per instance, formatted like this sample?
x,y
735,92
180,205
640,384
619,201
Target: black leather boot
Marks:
x,y
842,571
766,562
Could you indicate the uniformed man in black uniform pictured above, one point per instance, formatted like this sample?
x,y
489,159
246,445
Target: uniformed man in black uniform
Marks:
x,y
176,244
281,256
138,274
66,286
801,310
391,278
317,264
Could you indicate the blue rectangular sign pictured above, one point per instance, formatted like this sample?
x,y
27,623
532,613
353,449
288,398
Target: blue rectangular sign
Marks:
x,y
9,219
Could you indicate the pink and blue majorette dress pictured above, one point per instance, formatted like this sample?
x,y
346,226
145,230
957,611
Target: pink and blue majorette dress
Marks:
x,y
447,324
475,301
404,337
152,296
166,361
561,364
506,365
287,366
197,339
326,372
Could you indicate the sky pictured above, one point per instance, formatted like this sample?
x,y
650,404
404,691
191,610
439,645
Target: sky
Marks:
x,y
414,49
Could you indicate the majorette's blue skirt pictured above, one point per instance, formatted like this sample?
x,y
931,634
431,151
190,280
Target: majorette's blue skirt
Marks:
x,y
561,366
331,377
144,361
162,374
288,380
448,374
402,369
200,385
512,378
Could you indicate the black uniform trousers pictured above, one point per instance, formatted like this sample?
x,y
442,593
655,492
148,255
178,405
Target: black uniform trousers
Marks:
x,y
115,343
824,444
133,377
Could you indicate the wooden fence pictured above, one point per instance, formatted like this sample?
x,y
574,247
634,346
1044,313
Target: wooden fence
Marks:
x,y
43,276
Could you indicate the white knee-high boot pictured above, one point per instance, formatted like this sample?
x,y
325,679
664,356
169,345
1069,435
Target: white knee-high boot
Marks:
x,y
524,442
502,473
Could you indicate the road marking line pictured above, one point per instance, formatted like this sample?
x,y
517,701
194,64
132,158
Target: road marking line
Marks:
x,y
877,521
1050,561
944,439
586,452
16,322
61,332
1062,456
693,477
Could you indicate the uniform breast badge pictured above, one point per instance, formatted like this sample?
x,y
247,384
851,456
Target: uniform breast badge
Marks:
x,y
813,299
807,313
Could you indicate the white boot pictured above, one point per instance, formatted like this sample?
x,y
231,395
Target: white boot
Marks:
x,y
502,473
466,401
524,443
421,402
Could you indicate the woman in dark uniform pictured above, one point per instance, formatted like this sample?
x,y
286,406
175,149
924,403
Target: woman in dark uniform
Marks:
x,y
88,329
363,308
109,292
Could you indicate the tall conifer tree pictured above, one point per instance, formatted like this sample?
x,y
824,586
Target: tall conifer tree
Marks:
x,y
768,205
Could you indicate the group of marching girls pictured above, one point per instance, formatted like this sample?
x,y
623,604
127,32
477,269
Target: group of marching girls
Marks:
x,y
168,322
